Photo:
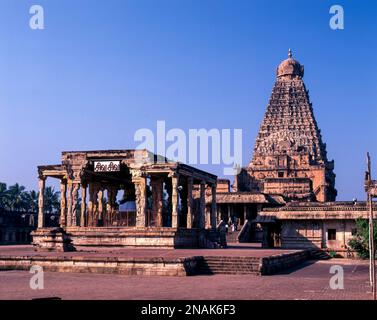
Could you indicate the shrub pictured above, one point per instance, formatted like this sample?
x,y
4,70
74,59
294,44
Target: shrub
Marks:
x,y
360,242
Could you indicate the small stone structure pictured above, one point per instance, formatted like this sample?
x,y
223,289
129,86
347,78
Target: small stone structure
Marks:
x,y
166,212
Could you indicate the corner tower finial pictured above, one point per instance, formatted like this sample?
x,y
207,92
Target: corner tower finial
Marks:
x,y
289,53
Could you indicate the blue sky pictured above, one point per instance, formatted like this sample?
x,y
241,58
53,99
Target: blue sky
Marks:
x,y
103,69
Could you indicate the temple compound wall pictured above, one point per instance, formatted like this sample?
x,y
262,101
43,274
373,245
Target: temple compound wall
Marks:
x,y
159,207
15,227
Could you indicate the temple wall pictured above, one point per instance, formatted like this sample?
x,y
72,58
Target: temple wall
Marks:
x,y
315,233
301,234
343,233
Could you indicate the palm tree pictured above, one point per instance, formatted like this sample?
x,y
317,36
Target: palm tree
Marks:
x,y
17,199
51,200
31,201
4,196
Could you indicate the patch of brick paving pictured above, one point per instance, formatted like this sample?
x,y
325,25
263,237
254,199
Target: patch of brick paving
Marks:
x,y
310,281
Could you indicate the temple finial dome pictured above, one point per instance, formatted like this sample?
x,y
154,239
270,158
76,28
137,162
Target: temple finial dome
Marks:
x,y
290,67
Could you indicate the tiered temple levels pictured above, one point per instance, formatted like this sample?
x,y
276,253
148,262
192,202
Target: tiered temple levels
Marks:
x,y
289,156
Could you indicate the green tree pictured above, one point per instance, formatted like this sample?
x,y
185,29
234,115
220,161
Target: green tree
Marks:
x,y
360,242
4,196
51,200
17,198
31,201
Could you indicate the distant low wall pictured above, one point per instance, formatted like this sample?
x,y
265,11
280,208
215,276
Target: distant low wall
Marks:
x,y
156,266
125,266
274,264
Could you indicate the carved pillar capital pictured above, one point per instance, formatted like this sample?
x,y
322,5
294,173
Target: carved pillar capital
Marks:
x,y
137,174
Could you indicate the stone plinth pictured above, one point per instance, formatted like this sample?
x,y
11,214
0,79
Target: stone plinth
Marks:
x,y
89,238
163,262
51,239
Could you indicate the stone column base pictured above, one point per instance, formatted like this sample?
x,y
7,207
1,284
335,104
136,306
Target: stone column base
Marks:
x,y
51,239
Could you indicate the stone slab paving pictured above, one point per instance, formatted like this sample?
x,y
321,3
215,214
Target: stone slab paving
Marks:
x,y
310,281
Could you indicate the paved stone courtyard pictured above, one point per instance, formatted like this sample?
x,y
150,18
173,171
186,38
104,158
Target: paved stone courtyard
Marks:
x,y
310,281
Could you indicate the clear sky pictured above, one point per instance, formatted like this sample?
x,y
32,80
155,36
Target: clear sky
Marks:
x,y
100,70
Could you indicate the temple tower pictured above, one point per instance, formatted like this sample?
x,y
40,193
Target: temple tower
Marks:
x,y
289,156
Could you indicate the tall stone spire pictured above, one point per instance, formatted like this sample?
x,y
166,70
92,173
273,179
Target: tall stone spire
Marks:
x,y
289,155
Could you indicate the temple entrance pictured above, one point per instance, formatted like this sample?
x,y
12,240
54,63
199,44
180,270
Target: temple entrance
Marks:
x,y
274,235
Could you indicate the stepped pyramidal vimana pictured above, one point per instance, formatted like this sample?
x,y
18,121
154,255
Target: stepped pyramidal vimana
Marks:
x,y
289,155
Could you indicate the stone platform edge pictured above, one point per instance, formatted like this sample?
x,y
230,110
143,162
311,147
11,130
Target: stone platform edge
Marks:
x,y
155,266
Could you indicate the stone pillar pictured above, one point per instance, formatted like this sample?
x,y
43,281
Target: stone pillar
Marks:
x,y
75,196
175,200
83,217
202,204
190,219
90,206
157,184
213,207
41,217
112,192
100,205
140,182
207,219
95,205
229,213
113,201
244,213
109,206
63,202
69,203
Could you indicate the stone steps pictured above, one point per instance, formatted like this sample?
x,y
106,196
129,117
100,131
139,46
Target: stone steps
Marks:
x,y
229,265
318,254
